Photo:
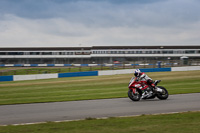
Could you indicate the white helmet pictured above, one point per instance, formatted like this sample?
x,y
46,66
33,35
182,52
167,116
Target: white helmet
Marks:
x,y
137,72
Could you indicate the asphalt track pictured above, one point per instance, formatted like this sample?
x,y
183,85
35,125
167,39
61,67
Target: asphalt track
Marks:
x,y
73,110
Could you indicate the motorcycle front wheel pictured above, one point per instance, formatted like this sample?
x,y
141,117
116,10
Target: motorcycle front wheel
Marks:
x,y
164,95
134,96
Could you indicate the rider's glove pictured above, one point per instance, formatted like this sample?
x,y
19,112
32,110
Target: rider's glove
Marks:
x,y
153,85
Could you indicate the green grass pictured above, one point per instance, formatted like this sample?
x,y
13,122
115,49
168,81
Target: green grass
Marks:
x,y
169,123
114,86
86,88
4,71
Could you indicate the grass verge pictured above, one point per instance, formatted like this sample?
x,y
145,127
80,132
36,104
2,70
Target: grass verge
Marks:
x,y
4,71
86,88
168,123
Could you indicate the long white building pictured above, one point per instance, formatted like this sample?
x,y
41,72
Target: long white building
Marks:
x,y
95,54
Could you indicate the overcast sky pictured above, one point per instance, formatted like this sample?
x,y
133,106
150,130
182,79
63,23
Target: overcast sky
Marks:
x,y
68,23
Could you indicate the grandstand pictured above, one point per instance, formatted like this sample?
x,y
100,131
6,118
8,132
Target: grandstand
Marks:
x,y
96,54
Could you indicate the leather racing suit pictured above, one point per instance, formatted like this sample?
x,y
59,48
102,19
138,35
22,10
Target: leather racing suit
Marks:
x,y
143,81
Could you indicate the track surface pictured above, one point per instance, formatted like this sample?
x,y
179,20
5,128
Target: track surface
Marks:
x,y
59,111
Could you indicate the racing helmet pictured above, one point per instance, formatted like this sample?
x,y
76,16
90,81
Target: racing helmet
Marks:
x,y
137,72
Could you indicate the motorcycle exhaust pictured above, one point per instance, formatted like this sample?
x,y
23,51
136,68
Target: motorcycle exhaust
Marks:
x,y
159,90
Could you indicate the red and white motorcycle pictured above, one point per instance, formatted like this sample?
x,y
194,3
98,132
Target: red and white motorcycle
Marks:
x,y
135,94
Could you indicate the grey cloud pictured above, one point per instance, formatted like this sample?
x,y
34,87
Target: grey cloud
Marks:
x,y
101,22
106,13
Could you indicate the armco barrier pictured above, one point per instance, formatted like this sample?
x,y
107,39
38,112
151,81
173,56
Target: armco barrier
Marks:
x,y
114,72
33,65
82,65
126,71
92,73
189,68
78,74
34,76
155,69
6,78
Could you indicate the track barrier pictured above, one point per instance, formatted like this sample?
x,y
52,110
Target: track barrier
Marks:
x,y
92,73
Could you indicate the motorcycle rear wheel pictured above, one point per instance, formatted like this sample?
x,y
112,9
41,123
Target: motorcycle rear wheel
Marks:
x,y
132,96
164,95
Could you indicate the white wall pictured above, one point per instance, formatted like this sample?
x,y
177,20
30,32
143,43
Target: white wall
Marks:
x,y
188,68
113,72
105,72
33,77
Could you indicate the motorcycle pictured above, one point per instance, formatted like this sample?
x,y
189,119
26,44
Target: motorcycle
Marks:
x,y
135,94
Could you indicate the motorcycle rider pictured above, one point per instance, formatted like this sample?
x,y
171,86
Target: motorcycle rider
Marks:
x,y
143,82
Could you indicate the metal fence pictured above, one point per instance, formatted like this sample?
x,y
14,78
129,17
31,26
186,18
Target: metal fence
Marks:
x,y
93,67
